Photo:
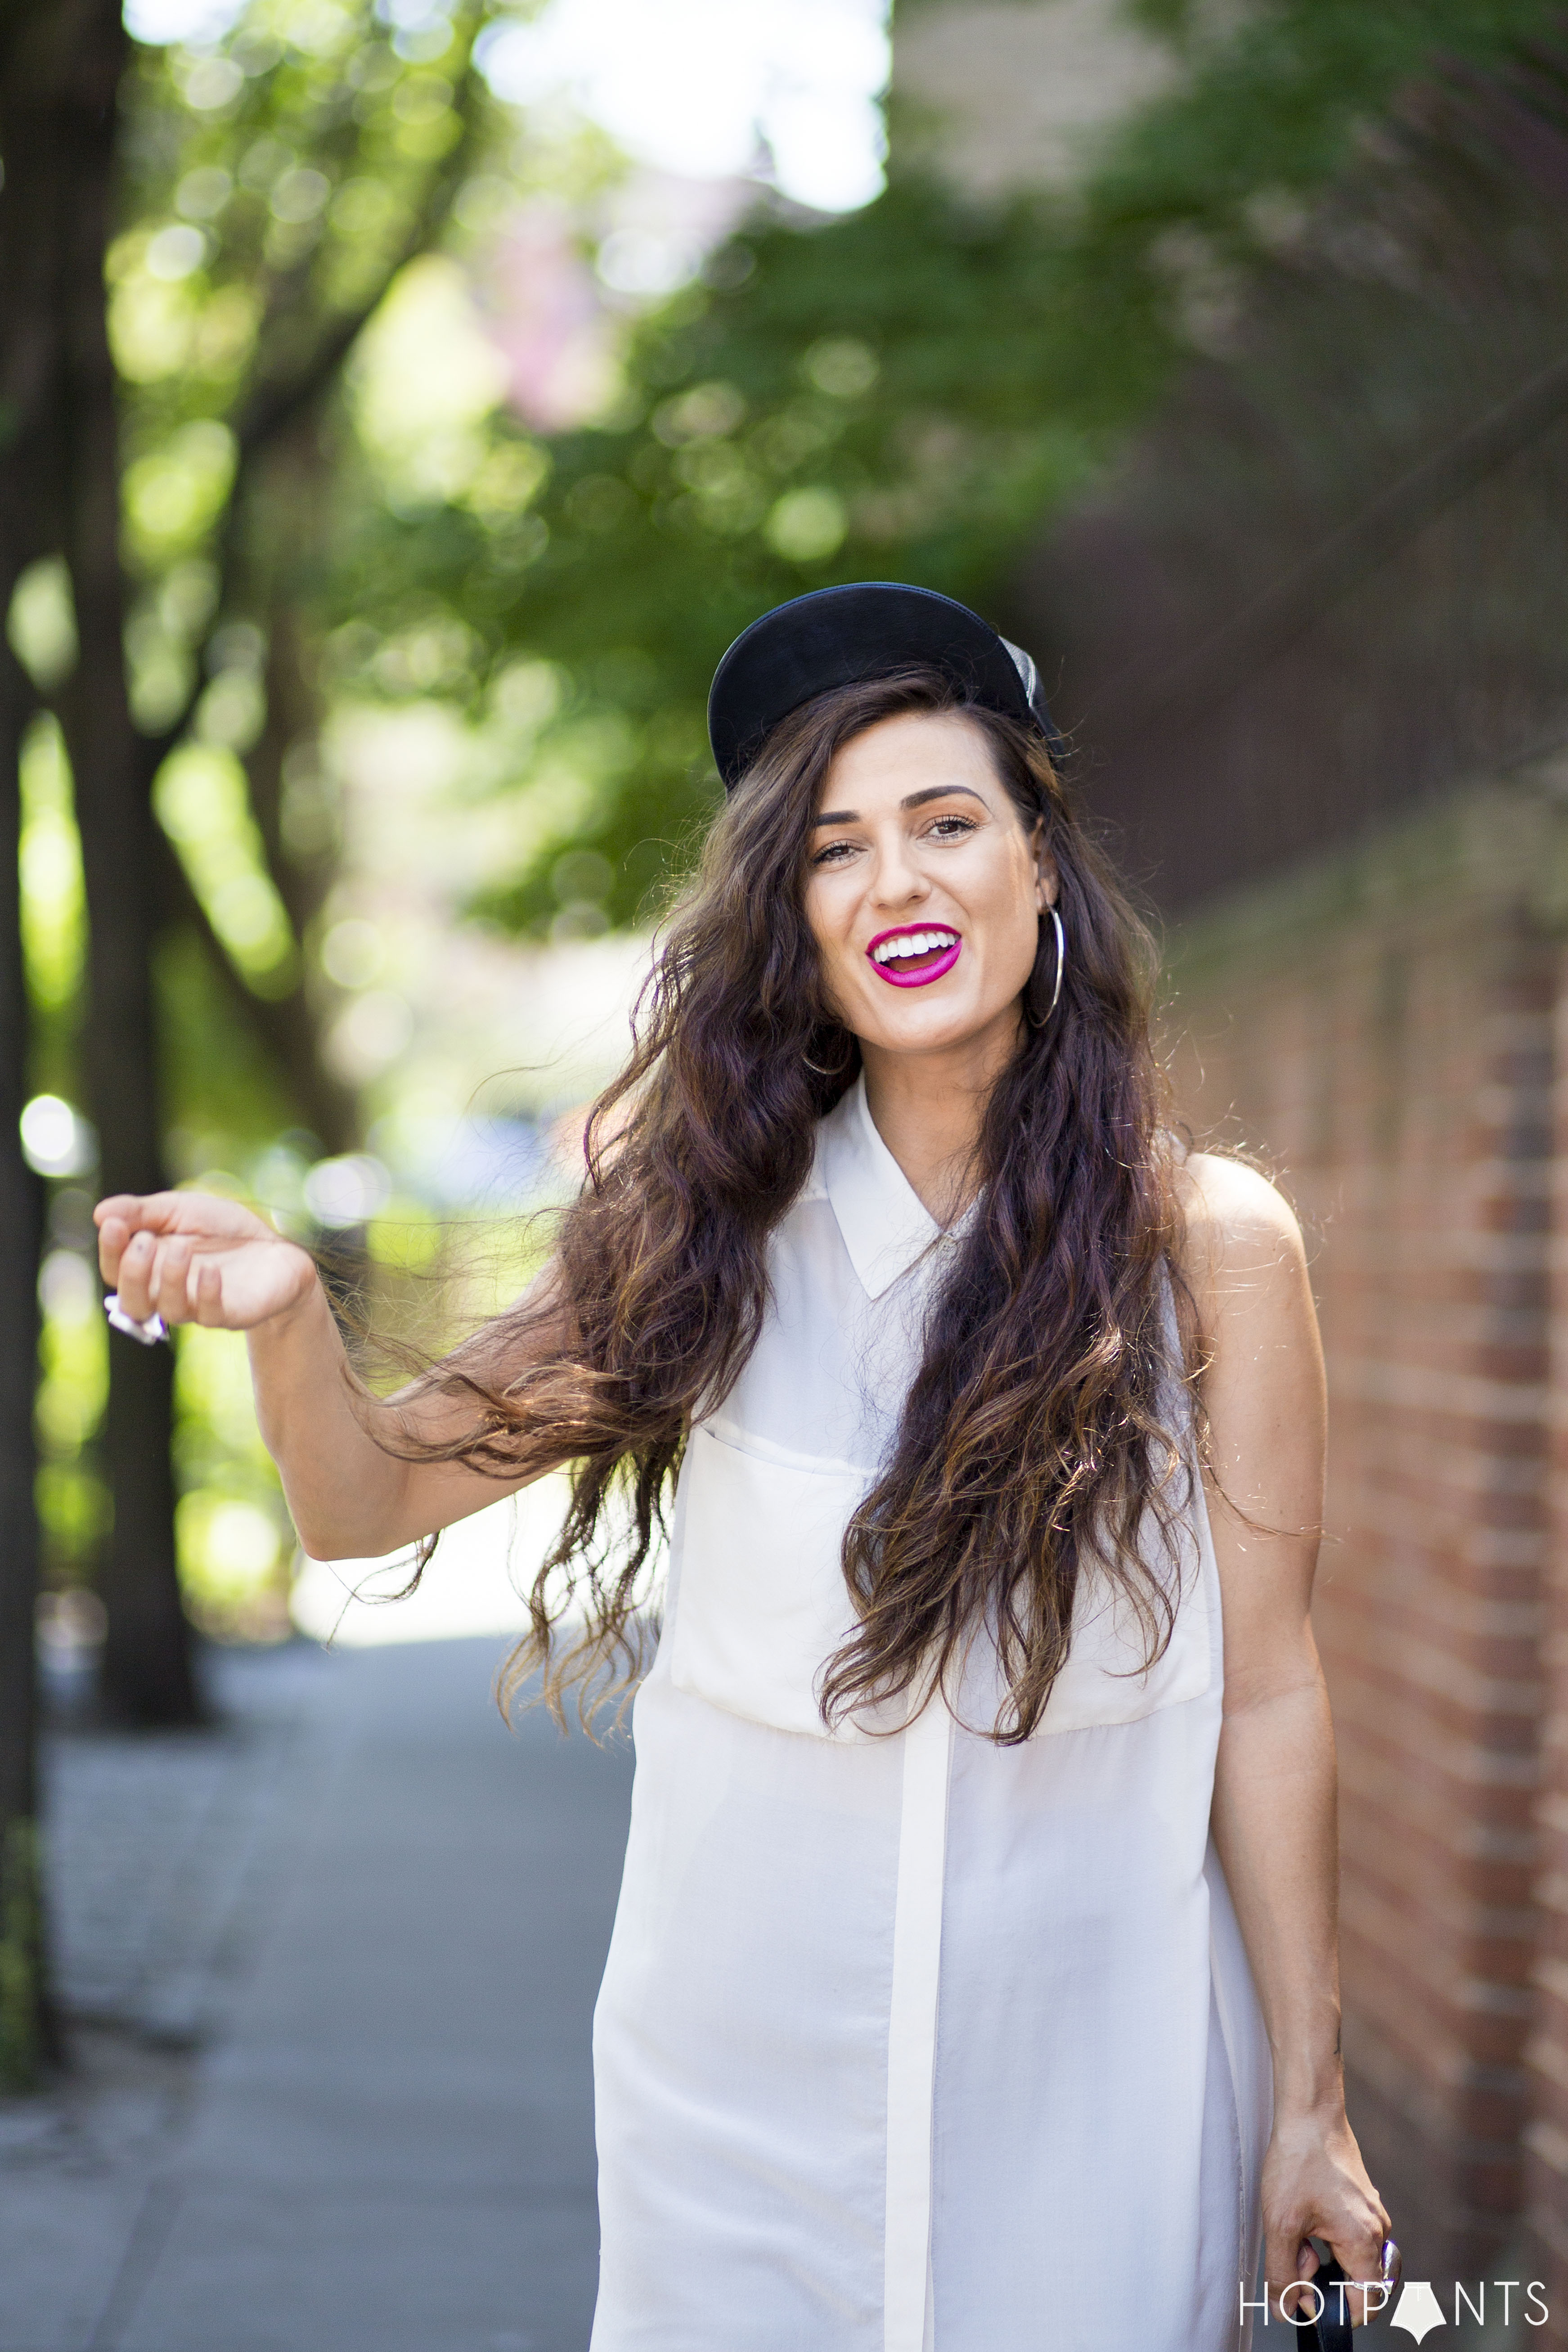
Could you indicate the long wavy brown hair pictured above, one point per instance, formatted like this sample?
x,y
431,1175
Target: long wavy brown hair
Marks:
x,y
1042,1428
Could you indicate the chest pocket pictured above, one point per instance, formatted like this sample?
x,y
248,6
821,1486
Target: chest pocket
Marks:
x,y
1104,1681
761,1603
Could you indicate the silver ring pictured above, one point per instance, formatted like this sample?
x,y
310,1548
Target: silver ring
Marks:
x,y
149,1332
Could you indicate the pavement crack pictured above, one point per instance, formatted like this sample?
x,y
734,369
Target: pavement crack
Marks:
x,y
143,2250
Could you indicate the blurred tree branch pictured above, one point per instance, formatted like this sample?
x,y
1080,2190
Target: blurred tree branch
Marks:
x,y
282,1025
275,415
277,402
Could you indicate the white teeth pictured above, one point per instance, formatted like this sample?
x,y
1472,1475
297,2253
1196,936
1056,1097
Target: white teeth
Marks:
x,y
913,944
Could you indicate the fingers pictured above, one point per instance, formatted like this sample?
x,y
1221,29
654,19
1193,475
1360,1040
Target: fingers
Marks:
x,y
157,1210
1359,2254
219,1266
133,1276
1287,2258
113,1233
121,1219
171,1279
211,1216
153,1275
206,1293
1293,2301
146,1243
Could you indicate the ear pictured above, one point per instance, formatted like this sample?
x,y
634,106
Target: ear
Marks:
x,y
1048,881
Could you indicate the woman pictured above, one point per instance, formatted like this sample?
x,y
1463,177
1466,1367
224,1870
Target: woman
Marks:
x,y
974,1982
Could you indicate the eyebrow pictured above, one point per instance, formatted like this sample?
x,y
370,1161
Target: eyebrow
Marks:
x,y
911,801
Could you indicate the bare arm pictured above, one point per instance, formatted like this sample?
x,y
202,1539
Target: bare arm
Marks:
x,y
1275,1803
193,1258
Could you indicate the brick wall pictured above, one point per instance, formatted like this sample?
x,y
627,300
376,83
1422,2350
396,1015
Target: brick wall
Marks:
x,y
1546,2133
1381,1030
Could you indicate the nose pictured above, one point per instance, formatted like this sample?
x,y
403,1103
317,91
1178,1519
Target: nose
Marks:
x,y
898,881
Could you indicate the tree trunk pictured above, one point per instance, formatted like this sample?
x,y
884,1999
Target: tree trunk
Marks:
x,y
35,53
27,2036
148,1665
293,720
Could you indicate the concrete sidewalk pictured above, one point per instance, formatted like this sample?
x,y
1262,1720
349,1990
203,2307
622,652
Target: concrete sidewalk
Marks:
x,y
386,2143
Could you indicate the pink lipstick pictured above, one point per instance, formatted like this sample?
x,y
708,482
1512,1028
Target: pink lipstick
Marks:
x,y
914,954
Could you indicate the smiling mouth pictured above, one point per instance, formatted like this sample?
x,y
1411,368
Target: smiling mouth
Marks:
x,y
915,954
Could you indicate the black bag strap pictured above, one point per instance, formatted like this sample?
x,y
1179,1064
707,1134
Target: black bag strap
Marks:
x,y
1329,2333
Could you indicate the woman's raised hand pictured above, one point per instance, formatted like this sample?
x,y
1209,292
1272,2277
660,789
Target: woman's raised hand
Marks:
x,y
194,1257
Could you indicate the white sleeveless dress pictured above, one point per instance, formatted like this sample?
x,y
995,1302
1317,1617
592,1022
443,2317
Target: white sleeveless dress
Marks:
x,y
910,2043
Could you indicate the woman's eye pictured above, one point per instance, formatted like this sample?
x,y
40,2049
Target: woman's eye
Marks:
x,y
948,828
833,855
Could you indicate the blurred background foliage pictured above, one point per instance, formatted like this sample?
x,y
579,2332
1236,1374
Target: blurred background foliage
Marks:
x,y
912,392
455,451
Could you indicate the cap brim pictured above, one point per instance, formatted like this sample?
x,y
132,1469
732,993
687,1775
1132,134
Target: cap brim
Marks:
x,y
844,636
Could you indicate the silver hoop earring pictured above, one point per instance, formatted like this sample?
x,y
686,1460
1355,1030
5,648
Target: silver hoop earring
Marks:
x,y
817,1071
1061,967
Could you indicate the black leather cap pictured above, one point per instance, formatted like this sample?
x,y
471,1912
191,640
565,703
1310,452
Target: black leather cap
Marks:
x,y
840,637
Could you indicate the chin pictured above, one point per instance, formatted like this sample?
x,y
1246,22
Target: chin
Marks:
x,y
929,1029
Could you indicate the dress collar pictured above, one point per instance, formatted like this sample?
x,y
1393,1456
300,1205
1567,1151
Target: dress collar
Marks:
x,y
885,1223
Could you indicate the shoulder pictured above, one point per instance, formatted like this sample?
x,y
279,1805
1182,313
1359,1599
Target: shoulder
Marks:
x,y
1242,1243
1227,1203
1261,1375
